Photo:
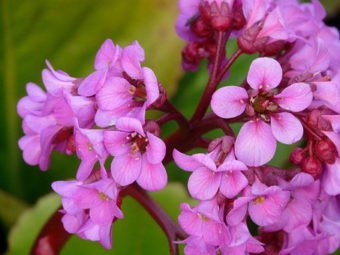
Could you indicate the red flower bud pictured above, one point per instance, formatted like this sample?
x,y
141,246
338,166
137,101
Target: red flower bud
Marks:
x,y
201,28
312,166
297,156
326,151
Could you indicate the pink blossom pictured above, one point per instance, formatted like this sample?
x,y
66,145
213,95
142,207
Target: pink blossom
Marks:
x,y
89,209
208,178
264,205
255,144
138,155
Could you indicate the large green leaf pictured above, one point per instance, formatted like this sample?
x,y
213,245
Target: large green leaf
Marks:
x,y
136,234
68,33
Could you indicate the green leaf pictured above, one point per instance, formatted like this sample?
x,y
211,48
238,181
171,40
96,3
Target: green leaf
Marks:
x,y
22,235
136,234
69,33
11,209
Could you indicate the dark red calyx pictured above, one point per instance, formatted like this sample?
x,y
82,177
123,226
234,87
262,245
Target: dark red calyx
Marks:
x,y
217,15
297,156
247,40
312,165
238,17
201,28
190,53
273,49
326,151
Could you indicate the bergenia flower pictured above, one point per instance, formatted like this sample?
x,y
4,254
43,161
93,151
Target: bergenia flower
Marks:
x,y
264,205
134,91
207,178
90,150
271,117
89,209
138,155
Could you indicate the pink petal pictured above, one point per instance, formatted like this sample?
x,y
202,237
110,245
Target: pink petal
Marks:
x,y
205,160
264,74
85,168
151,86
203,184
92,83
232,184
132,56
116,143
130,125
114,93
105,118
185,162
239,210
331,179
229,102
156,149
153,176
72,223
334,121
65,188
31,149
105,55
105,236
102,214
190,221
297,214
255,144
35,92
296,97
286,128
126,169
231,166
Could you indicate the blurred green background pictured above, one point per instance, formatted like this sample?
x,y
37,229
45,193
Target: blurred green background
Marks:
x,y
68,33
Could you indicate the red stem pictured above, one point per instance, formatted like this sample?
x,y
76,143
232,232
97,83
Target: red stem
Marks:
x,y
213,81
52,237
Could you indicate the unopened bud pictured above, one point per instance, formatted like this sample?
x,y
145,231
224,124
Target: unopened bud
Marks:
x,y
312,166
297,156
326,151
153,128
201,28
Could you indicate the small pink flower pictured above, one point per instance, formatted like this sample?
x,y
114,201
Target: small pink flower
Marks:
x,y
255,144
207,178
138,155
264,204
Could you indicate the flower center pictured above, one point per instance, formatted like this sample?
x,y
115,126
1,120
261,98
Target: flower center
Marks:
x,y
138,143
263,103
138,92
203,217
259,200
89,147
103,196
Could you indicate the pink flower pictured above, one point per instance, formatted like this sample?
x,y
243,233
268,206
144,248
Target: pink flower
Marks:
x,y
90,150
204,221
264,204
106,63
49,118
207,178
138,155
197,246
134,91
255,144
89,209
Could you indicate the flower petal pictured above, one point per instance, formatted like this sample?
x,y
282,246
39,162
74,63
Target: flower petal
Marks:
x,y
184,161
232,183
255,144
203,183
331,179
115,142
153,176
229,102
264,74
151,85
126,169
130,125
92,83
105,55
156,149
296,97
102,214
286,128
85,168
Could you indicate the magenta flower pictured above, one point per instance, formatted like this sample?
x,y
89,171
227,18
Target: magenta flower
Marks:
x,y
255,144
138,155
90,208
107,63
134,91
264,205
204,221
207,178
197,246
90,150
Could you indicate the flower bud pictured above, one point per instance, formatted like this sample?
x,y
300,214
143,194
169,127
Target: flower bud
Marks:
x,y
217,14
326,151
153,128
312,166
297,156
201,28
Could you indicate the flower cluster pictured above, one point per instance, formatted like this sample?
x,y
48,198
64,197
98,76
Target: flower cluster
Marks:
x,y
290,95
96,117
292,91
